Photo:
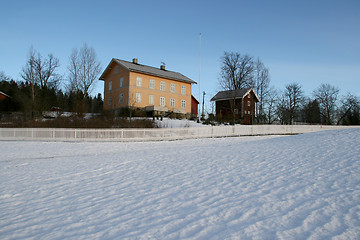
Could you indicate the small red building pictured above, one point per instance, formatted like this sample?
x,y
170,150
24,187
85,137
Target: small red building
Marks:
x,y
236,105
194,106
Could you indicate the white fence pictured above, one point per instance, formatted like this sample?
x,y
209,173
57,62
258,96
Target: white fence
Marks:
x,y
151,134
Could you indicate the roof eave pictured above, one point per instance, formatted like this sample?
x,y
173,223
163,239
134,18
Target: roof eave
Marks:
x,y
222,99
106,70
118,61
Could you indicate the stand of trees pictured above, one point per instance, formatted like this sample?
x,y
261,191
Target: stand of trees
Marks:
x,y
45,99
40,89
290,105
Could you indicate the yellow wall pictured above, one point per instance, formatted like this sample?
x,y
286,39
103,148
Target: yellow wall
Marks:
x,y
114,77
130,89
157,93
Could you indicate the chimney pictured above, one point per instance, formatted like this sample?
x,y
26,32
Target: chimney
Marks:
x,y
135,60
162,67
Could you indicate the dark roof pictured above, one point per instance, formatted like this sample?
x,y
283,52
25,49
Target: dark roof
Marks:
x,y
193,97
233,94
5,94
135,67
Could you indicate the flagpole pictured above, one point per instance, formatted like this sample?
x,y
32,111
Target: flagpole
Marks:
x,y
199,75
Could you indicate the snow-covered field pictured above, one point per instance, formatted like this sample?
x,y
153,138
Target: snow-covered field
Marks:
x,y
289,187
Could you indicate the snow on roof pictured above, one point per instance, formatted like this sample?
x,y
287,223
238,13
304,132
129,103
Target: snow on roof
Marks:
x,y
136,67
233,94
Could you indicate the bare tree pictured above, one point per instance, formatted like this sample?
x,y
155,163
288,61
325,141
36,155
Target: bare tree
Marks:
x,y
349,112
269,106
261,85
327,96
40,73
28,75
84,69
290,103
45,71
236,71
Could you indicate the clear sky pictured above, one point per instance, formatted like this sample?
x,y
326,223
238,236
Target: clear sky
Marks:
x,y
308,42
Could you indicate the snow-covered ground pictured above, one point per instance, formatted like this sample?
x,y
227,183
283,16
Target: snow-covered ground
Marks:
x,y
177,123
290,187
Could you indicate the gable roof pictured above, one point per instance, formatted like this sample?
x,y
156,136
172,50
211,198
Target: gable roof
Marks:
x,y
234,94
4,94
135,67
193,97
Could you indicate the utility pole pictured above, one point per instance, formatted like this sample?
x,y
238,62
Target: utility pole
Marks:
x,y
203,115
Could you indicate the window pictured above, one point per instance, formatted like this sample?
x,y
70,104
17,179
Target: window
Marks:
x,y
172,102
183,104
152,84
110,85
183,90
249,103
249,96
162,86
121,98
138,97
172,87
110,101
236,111
121,82
117,69
138,81
162,101
151,99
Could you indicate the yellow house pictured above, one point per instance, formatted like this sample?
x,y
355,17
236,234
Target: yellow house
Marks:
x,y
157,90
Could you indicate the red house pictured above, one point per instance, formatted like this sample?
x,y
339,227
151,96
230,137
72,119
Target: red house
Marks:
x,y
236,105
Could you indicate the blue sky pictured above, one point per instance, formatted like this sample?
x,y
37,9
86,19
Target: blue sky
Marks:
x,y
308,42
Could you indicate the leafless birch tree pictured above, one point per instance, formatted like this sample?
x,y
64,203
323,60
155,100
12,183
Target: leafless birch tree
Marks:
x,y
84,69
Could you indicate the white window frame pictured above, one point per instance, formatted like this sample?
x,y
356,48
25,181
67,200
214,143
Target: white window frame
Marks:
x,y
122,82
249,103
172,102
162,86
152,84
138,97
183,104
183,90
121,98
172,87
162,101
110,101
110,85
138,81
151,99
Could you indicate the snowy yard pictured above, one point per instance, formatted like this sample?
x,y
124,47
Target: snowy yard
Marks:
x,y
269,187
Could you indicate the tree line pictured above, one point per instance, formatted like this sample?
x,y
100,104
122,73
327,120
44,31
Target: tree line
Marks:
x,y
43,88
290,105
